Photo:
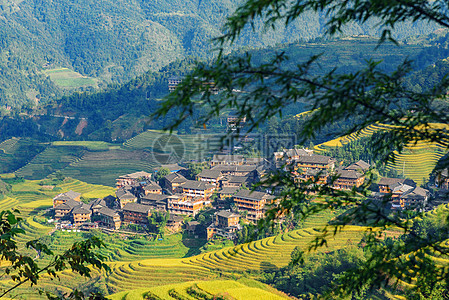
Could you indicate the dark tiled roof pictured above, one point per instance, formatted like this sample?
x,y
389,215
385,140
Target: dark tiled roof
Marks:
x,y
228,190
107,212
152,186
238,168
197,185
416,193
154,197
253,195
211,174
97,202
136,175
67,195
72,194
123,194
69,204
315,159
135,207
297,152
348,174
175,178
360,165
238,179
226,214
391,182
82,209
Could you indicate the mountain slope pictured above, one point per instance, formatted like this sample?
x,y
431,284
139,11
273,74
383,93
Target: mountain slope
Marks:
x,y
113,41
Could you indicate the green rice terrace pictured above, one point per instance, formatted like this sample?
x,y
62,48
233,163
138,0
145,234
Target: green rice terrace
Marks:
x,y
98,162
139,262
416,161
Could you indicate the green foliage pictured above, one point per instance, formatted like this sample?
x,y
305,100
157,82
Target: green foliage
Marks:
x,y
313,276
24,269
366,96
161,174
157,222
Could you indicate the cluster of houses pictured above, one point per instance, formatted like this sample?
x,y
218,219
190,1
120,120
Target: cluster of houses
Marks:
x,y
226,180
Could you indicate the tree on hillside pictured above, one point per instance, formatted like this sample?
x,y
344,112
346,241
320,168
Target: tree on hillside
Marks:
x,y
161,174
258,92
157,222
25,269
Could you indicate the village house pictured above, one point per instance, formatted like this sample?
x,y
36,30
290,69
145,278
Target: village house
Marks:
x,y
172,182
97,204
155,201
320,162
256,161
227,193
134,213
63,210
210,176
174,223
288,155
192,188
442,179
386,185
226,224
152,188
360,166
191,227
321,177
133,179
189,206
253,202
226,159
348,179
126,195
236,181
109,218
64,197
81,214
236,170
414,198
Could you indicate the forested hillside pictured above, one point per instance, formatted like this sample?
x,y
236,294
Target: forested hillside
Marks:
x,y
113,41
121,111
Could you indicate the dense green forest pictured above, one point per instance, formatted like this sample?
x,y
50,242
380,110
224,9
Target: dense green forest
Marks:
x,y
121,111
114,41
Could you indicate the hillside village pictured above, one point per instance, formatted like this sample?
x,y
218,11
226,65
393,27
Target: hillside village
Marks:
x,y
226,185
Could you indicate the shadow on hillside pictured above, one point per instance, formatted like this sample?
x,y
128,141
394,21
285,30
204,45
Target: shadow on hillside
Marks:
x,y
194,244
266,266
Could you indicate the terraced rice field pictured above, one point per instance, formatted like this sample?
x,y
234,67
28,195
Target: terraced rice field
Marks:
x,y
89,145
186,147
416,160
103,167
266,254
49,161
234,289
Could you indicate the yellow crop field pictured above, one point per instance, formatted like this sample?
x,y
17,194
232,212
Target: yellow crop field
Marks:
x,y
232,288
416,161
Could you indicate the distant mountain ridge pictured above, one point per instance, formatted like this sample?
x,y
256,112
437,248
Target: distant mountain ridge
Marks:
x,y
114,41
